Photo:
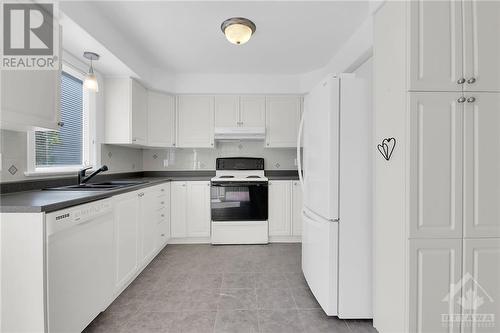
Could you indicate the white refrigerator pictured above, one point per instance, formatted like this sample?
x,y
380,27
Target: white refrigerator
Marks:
x,y
337,185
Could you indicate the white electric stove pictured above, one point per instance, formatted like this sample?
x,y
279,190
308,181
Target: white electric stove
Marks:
x,y
239,201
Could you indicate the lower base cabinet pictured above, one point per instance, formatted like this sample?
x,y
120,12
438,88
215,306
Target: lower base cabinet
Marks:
x,y
285,209
454,285
142,224
190,217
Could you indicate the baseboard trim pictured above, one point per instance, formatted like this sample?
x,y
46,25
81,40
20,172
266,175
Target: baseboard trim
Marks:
x,y
207,240
285,239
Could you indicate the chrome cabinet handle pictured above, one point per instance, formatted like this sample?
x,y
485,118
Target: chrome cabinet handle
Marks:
x,y
60,124
471,80
140,194
162,215
461,99
471,99
461,80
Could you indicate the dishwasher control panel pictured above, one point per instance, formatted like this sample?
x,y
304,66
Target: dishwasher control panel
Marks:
x,y
61,219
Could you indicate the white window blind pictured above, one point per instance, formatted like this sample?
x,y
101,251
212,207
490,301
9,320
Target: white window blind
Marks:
x,y
64,147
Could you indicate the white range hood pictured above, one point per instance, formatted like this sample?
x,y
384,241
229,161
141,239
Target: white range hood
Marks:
x,y
240,133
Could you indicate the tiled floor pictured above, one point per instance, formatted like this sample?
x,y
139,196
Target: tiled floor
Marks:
x,y
204,288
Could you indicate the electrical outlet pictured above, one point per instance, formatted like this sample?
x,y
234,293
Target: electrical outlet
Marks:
x,y
165,163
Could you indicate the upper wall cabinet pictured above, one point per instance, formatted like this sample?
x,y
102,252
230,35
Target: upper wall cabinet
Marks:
x,y
125,112
253,111
30,99
452,47
240,111
482,45
282,120
161,120
195,121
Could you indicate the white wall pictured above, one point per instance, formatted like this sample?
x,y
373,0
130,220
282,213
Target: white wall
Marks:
x,y
204,159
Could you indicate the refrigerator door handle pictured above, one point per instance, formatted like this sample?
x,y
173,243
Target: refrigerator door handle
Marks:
x,y
311,217
299,159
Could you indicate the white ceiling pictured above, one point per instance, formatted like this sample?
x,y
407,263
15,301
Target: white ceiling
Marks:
x,y
185,37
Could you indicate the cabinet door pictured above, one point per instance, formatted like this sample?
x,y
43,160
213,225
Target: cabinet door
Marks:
x,y
435,48
253,111
139,113
435,165
198,209
178,201
227,111
279,208
126,240
296,208
482,166
481,283
161,120
148,220
435,266
482,45
282,120
30,99
195,116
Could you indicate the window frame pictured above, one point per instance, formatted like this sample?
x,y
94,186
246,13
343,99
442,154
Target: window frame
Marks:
x,y
88,134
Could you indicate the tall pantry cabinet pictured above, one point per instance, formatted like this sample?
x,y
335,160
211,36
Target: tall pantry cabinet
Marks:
x,y
437,200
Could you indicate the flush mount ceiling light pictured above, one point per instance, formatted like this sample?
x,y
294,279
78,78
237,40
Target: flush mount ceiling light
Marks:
x,y
90,79
238,30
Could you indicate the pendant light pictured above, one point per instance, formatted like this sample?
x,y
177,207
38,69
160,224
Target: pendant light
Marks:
x,y
238,30
90,79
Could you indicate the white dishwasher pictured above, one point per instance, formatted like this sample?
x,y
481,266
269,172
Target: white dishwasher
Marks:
x,y
79,264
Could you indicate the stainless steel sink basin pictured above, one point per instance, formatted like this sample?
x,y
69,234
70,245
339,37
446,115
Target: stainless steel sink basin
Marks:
x,y
103,186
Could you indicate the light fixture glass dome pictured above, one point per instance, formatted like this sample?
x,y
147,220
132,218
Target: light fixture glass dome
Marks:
x,y
90,81
238,30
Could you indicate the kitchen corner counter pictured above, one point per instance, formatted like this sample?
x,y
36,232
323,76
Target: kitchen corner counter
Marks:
x,y
38,201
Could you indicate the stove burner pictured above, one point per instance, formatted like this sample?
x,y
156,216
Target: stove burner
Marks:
x,y
228,176
253,176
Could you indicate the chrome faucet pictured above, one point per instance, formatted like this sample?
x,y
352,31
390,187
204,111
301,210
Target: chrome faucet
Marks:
x,y
81,174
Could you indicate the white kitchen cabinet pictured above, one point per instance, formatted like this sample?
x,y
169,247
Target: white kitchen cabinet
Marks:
x,y
163,207
190,216
240,111
253,111
435,45
30,99
279,214
296,208
482,165
451,47
282,120
436,165
481,276
435,266
148,222
198,209
227,111
161,120
195,121
481,45
125,112
178,222
126,238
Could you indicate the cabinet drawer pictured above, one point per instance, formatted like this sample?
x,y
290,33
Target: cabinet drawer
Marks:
x,y
160,202
162,237
161,215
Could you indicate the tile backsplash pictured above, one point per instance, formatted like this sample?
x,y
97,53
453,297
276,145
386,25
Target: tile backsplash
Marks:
x,y
204,158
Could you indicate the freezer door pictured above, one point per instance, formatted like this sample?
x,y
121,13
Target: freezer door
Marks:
x,y
320,260
321,149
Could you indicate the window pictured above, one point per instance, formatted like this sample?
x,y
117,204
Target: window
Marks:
x,y
67,149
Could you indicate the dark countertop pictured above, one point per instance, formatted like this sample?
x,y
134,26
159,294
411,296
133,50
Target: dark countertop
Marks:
x,y
48,201
36,200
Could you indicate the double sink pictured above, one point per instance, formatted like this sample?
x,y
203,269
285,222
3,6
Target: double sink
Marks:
x,y
103,186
